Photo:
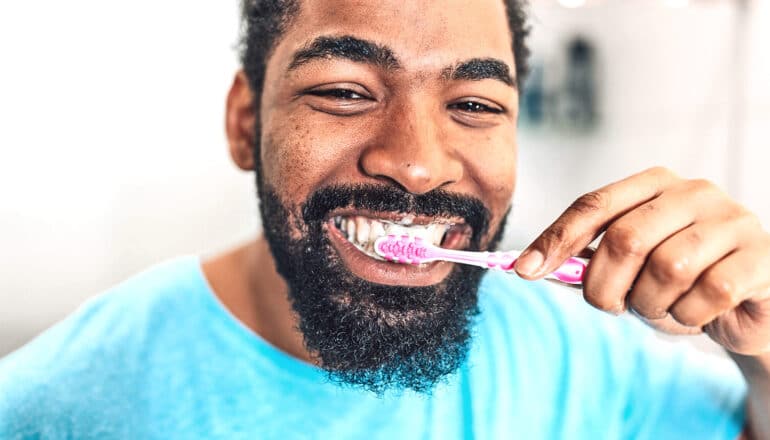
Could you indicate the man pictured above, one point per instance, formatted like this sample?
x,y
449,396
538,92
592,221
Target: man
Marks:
x,y
360,115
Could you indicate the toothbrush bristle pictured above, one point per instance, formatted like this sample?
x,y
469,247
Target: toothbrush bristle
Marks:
x,y
403,249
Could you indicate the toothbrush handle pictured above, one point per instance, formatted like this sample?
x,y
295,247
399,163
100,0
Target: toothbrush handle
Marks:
x,y
571,272
501,260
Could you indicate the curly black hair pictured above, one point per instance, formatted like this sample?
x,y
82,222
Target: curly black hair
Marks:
x,y
264,21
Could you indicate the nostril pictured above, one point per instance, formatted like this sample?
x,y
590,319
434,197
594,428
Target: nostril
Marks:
x,y
416,169
391,182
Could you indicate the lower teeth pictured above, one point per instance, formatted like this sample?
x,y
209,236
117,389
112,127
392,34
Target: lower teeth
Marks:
x,y
368,249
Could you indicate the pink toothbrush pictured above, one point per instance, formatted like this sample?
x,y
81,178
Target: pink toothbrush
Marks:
x,y
408,249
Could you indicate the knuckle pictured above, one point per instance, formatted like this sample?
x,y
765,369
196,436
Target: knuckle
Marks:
x,y
590,202
720,291
624,241
748,220
649,207
705,191
660,172
669,268
701,185
557,233
693,237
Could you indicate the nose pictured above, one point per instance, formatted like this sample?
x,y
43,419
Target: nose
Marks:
x,y
412,151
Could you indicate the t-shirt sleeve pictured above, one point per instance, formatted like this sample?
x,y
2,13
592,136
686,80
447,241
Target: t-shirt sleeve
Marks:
x,y
654,388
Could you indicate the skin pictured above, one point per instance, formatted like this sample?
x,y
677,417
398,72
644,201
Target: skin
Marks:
x,y
682,256
403,133
698,257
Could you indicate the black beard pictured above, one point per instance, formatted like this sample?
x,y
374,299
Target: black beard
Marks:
x,y
366,334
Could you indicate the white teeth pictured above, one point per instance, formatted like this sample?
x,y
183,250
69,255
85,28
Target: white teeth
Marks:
x,y
436,234
377,231
431,232
362,230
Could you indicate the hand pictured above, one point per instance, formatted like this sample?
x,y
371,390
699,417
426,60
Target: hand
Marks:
x,y
672,248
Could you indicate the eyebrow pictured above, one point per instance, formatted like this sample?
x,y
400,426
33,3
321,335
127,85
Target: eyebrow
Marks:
x,y
346,47
477,69
365,51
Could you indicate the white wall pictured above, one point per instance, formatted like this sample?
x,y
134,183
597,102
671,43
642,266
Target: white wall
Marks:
x,y
666,96
754,128
112,150
113,157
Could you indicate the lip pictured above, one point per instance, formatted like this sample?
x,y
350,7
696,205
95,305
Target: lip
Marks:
x,y
383,272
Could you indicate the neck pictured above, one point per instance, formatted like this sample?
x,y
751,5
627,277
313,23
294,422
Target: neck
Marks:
x,y
246,281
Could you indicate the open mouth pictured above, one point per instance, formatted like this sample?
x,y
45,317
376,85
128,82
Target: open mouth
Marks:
x,y
353,235
362,231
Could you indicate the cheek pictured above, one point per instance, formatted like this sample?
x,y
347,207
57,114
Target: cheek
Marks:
x,y
298,156
282,158
495,173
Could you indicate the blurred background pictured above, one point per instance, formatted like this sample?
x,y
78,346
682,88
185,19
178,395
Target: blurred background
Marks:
x,y
113,155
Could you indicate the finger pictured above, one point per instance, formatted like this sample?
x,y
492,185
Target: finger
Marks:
x,y
582,222
626,245
744,329
675,265
668,325
723,286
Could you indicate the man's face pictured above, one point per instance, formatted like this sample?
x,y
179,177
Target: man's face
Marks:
x,y
381,112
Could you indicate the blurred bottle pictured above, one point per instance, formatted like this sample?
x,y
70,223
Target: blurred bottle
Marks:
x,y
578,102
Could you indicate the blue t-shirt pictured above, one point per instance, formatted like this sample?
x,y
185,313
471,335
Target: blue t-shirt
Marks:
x,y
159,357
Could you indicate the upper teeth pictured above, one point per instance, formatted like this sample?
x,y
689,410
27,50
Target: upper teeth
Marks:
x,y
364,231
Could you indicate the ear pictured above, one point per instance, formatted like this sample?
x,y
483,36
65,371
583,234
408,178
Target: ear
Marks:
x,y
240,122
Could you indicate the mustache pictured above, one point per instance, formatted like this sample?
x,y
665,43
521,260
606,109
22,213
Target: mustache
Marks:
x,y
385,198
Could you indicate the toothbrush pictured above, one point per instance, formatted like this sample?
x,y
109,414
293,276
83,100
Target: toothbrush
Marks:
x,y
407,249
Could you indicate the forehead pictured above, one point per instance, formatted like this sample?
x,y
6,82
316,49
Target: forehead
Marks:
x,y
424,34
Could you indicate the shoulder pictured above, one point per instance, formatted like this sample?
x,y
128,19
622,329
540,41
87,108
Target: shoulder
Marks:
x,y
110,321
87,356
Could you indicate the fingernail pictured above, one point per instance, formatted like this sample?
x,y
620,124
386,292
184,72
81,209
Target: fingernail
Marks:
x,y
529,262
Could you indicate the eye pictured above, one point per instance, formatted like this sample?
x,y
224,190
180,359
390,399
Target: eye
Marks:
x,y
340,99
342,94
475,107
